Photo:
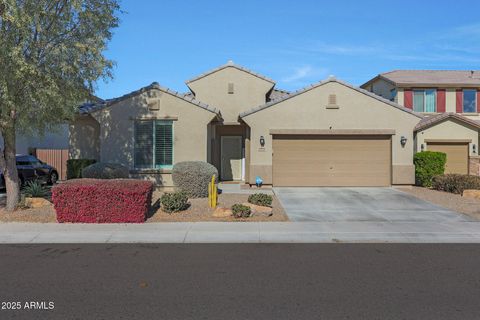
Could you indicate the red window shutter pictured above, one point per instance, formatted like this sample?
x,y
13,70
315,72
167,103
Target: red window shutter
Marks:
x,y
459,107
408,98
478,101
441,100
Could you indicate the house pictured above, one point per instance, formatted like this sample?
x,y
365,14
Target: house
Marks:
x,y
449,101
327,134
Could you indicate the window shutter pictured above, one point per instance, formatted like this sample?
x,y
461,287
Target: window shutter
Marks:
x,y
459,104
143,157
163,143
408,98
441,100
478,101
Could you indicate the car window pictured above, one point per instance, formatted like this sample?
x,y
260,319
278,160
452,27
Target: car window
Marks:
x,y
34,161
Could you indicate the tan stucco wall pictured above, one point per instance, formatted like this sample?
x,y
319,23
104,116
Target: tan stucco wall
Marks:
x,y
448,130
57,138
356,111
249,91
84,135
117,126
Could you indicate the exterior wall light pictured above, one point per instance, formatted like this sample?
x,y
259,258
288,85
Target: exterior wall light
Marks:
x,y
262,141
403,141
422,147
474,148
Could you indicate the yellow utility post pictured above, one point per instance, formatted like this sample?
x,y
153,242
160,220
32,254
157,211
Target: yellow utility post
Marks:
x,y
212,193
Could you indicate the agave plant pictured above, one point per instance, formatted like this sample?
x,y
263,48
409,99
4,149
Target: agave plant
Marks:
x,y
35,189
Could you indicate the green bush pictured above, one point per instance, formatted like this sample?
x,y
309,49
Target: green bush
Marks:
x,y
102,170
455,183
193,177
35,189
75,167
260,199
427,165
174,201
241,211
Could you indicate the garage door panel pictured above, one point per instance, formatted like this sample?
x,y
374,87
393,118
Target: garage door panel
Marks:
x,y
331,161
457,155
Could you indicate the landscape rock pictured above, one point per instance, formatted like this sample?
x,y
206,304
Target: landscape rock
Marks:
x,y
259,210
471,193
221,212
37,202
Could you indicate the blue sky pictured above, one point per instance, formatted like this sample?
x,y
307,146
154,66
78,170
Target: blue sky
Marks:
x,y
295,43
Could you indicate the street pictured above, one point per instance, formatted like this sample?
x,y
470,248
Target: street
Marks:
x,y
240,281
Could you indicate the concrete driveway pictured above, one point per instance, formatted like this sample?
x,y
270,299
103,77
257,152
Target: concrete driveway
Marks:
x,y
360,204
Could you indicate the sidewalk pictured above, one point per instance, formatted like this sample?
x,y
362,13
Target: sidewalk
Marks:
x,y
237,232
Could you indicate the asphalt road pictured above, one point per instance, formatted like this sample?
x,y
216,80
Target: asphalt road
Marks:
x,y
270,281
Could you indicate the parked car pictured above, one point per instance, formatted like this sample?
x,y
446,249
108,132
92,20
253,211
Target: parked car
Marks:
x,y
30,168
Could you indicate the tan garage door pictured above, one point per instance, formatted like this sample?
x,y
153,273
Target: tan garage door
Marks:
x,y
331,161
457,155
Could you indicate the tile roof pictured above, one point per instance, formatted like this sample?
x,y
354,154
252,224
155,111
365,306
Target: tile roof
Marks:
x,y
230,63
433,77
94,106
321,83
429,121
277,94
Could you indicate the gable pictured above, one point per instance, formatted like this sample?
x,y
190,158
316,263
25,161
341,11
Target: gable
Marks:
x,y
231,90
319,95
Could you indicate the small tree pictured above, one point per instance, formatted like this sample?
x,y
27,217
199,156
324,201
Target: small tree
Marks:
x,y
51,54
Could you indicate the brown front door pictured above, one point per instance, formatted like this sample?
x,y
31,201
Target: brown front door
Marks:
x,y
300,160
457,155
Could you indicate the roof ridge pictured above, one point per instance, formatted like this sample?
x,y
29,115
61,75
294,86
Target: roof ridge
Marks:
x,y
153,85
320,83
230,63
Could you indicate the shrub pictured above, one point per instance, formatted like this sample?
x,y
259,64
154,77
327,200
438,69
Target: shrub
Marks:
x,y
34,189
260,199
427,165
102,170
75,167
102,201
455,183
193,177
241,211
174,202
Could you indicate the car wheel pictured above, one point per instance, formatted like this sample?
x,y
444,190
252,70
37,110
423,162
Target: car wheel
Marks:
x,y
53,178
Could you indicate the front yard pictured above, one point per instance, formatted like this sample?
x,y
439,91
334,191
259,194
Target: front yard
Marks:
x,y
455,202
197,211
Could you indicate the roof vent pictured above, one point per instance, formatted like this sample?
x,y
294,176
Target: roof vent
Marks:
x,y
331,77
332,101
230,62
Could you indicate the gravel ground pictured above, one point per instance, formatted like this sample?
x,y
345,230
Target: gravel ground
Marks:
x,y
455,202
198,211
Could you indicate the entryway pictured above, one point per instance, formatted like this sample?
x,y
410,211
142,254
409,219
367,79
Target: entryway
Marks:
x,y
231,166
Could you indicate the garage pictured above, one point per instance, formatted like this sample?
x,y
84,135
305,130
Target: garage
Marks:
x,y
336,161
457,155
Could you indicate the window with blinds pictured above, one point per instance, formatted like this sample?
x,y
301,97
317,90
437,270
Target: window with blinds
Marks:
x,y
153,144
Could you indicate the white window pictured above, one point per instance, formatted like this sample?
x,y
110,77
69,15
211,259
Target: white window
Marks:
x,y
469,100
153,144
425,100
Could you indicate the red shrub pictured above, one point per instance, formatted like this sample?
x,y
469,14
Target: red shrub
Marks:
x,y
102,201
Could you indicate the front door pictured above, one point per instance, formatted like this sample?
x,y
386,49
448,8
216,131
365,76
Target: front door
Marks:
x,y
231,156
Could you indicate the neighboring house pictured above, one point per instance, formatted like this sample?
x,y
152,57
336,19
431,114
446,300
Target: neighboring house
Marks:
x,y
327,134
54,139
450,102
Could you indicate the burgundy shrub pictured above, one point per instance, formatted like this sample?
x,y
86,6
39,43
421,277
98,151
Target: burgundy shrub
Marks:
x,y
102,201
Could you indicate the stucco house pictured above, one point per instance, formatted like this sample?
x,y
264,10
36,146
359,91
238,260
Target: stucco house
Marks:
x,y
449,102
327,134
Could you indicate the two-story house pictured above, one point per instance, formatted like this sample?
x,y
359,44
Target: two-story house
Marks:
x,y
450,103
